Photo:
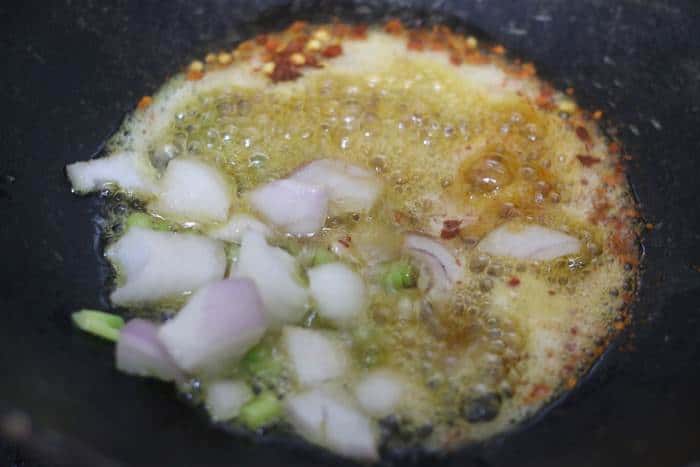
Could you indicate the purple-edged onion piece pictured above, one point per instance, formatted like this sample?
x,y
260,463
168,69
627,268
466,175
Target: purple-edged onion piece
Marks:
x,y
218,325
139,352
441,265
529,242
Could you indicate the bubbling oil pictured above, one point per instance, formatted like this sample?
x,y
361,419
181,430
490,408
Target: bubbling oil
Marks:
x,y
444,151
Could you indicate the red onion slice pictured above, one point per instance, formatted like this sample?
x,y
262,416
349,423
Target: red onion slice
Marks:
x,y
219,324
531,242
139,352
427,245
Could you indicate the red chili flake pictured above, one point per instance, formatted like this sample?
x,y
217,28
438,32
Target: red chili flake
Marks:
x,y
332,51
144,102
551,292
284,71
614,148
296,45
514,282
415,44
527,70
574,330
582,134
340,30
393,26
345,241
586,160
543,101
539,391
312,61
297,26
450,229
437,45
272,44
359,31
455,59
476,58
193,75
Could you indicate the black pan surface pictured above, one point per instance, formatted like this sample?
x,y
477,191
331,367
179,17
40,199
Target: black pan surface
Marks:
x,y
72,69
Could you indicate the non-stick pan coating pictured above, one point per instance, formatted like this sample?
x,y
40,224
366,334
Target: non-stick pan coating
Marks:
x,y
72,69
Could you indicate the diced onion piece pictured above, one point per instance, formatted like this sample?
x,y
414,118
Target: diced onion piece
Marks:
x,y
379,392
191,190
237,226
294,207
274,272
217,325
328,421
350,188
339,292
139,352
427,245
530,242
158,265
315,357
224,398
129,170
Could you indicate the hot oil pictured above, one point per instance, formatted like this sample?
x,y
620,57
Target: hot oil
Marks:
x,y
444,149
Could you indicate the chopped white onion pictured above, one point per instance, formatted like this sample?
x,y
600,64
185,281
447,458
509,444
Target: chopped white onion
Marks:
x,y
158,265
350,188
217,325
191,190
237,226
224,398
339,292
139,352
379,392
327,420
315,357
295,207
274,271
531,242
129,170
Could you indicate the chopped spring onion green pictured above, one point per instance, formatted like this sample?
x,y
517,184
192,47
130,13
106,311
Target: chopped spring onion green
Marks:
x,y
141,219
263,410
261,361
99,323
322,256
400,275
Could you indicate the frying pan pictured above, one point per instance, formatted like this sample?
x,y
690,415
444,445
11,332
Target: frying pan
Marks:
x,y
72,69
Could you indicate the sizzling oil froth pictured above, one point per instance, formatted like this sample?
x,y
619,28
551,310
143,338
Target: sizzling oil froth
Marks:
x,y
464,144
